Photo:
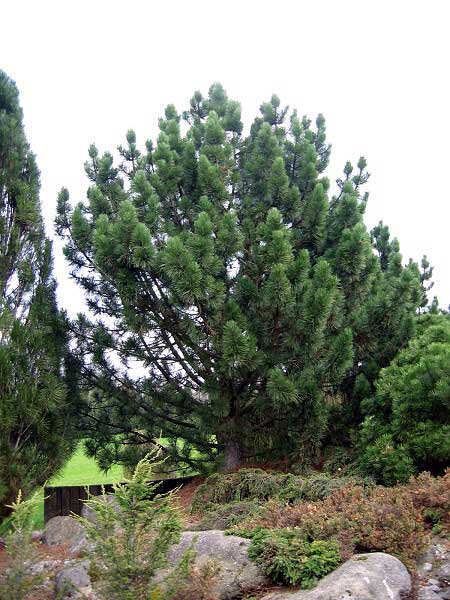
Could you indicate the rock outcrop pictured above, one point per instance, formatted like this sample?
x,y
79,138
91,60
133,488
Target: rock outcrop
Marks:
x,y
374,576
235,571
67,531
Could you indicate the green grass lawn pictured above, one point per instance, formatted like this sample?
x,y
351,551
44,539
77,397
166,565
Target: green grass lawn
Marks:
x,y
80,470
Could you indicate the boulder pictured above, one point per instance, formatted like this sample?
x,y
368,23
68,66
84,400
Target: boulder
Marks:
x,y
90,515
67,531
73,580
36,536
376,576
236,572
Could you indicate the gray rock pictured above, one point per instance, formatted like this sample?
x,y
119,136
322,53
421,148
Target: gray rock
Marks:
x,y
87,512
236,572
73,580
428,594
437,550
435,582
374,576
44,566
434,588
67,531
36,536
444,570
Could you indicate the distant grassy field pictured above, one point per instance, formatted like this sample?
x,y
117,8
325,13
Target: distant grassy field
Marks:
x,y
80,470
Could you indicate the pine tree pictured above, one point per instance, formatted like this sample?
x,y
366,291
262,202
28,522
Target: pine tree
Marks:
x,y
36,431
382,320
407,424
217,263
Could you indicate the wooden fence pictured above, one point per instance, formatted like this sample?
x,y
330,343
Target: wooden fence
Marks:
x,y
65,500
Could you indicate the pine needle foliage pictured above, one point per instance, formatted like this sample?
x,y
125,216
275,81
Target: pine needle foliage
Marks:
x,y
36,369
249,298
407,424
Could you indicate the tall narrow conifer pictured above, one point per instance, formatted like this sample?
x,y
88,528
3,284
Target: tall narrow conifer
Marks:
x,y
36,419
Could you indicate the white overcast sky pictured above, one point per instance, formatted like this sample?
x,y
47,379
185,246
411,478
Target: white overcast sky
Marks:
x,y
378,70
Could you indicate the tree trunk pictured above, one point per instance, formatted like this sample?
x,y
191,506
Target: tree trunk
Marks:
x,y
232,456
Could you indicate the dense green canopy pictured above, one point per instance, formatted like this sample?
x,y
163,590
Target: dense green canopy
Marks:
x,y
244,299
407,427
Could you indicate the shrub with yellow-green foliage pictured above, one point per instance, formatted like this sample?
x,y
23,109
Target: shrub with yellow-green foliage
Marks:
x,y
131,540
17,580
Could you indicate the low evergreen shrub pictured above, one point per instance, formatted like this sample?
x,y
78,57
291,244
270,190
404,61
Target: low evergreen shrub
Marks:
x,y
316,487
287,557
431,496
245,484
260,485
188,582
227,515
